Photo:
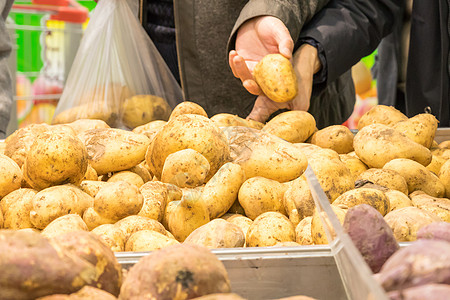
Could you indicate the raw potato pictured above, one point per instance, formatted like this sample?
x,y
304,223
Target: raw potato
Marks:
x,y
19,143
148,240
276,77
93,219
57,201
303,232
185,168
437,206
372,197
112,150
354,164
444,153
268,229
381,114
417,177
397,199
132,224
155,195
82,125
111,235
225,120
258,195
10,176
405,222
87,292
189,131
189,214
293,126
221,296
64,224
436,163
197,272
91,187
141,109
55,158
142,171
337,137
444,177
263,154
90,174
221,191
236,208
387,178
371,235
318,232
378,144
255,124
128,176
16,207
242,221
150,129
117,200
421,128
307,148
187,107
217,234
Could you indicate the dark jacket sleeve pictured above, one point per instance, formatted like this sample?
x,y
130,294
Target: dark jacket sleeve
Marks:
x,y
348,30
294,14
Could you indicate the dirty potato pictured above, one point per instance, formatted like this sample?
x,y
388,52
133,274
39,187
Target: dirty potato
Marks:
x,y
293,126
336,137
268,229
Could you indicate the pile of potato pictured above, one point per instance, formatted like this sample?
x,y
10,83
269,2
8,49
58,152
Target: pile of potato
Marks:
x,y
223,181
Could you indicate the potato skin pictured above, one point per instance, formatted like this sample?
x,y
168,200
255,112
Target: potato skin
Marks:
x,y
375,198
381,114
197,272
268,229
421,128
10,176
150,129
397,199
318,232
444,177
187,107
354,164
225,120
64,224
141,109
87,292
293,126
437,206
156,197
217,233
336,137
385,177
16,207
276,77
303,232
435,231
132,224
111,235
82,125
148,240
128,176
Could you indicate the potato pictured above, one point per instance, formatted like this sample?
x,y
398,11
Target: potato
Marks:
x,y
336,137
117,200
91,187
236,208
255,124
221,296
405,222
57,201
93,219
16,207
217,233
148,240
417,177
265,155
444,177
10,176
354,164
303,232
55,158
387,178
19,143
225,120
173,192
268,229
141,109
293,126
276,77
435,231
421,128
423,262
437,206
185,168
378,144
90,174
127,176
187,107
64,224
87,292
242,221
155,200
150,129
82,125
381,114
318,232
258,195
443,153
436,163
142,171
197,272
189,131
111,235
370,234
189,214
307,149
112,150
86,245
372,197
397,199
132,224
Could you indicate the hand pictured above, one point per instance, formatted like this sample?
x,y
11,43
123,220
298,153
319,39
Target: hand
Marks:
x,y
306,63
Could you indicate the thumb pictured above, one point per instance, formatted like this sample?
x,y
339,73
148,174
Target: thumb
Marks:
x,y
283,38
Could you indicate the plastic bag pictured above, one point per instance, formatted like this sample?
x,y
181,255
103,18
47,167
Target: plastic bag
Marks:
x,y
118,75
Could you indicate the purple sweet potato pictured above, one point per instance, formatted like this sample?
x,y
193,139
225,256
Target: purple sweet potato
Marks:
x,y
435,231
422,262
371,235
427,291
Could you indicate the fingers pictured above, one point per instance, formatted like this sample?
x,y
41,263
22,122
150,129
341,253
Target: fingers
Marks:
x,y
264,107
286,46
241,71
231,57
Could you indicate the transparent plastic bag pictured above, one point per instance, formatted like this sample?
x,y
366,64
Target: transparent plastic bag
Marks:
x,y
118,74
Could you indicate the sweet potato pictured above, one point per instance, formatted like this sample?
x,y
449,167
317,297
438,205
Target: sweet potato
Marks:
x,y
426,291
435,231
87,292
